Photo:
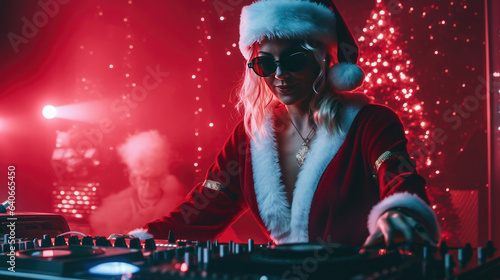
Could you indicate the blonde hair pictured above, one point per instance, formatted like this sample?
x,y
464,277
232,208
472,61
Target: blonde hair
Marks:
x,y
256,100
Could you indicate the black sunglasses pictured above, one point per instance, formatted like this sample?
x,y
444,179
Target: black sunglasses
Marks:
x,y
265,66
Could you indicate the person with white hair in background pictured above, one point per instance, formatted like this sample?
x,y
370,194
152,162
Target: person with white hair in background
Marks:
x,y
152,191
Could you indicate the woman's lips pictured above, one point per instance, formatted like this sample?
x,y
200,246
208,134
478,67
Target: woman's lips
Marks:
x,y
286,88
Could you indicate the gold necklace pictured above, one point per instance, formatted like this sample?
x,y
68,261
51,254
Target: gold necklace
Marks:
x,y
304,149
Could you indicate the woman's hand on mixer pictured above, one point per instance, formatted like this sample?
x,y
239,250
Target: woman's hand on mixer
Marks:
x,y
396,227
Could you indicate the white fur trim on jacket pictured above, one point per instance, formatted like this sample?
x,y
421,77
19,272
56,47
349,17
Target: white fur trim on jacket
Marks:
x,y
285,19
290,224
140,233
269,190
410,201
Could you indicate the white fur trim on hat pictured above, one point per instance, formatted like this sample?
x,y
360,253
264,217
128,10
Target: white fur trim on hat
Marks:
x,y
346,76
285,19
410,201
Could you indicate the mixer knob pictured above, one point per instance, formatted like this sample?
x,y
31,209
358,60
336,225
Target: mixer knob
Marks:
x,y
29,245
22,246
489,249
461,258
46,241
481,256
106,242
189,260
135,243
443,249
102,241
222,250
73,240
190,249
87,241
448,265
231,246
179,253
199,254
465,255
60,241
209,244
181,242
98,241
171,237
216,243
169,254
120,242
36,243
250,245
5,247
150,244
206,255
426,254
239,248
6,238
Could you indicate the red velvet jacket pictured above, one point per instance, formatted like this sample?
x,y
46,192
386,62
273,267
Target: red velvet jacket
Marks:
x,y
345,184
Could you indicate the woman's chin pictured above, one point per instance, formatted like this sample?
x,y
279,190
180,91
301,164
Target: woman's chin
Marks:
x,y
291,99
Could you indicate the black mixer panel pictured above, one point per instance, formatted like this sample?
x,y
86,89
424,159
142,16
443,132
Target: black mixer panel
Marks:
x,y
77,257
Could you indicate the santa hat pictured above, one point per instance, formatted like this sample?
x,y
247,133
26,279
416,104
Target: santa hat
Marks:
x,y
317,20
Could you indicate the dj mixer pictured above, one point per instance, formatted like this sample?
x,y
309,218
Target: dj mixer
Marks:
x,y
75,256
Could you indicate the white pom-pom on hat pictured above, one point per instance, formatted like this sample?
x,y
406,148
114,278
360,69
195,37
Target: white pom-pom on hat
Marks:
x,y
346,76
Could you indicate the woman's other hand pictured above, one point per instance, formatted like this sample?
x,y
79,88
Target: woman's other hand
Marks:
x,y
395,227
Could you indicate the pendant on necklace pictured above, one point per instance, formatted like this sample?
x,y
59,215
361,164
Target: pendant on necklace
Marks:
x,y
302,153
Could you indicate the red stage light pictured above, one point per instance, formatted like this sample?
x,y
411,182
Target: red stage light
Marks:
x,y
49,112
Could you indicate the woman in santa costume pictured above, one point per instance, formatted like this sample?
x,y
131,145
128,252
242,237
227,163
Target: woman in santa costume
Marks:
x,y
311,159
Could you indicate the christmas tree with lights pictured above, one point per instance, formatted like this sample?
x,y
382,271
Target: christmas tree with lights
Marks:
x,y
388,70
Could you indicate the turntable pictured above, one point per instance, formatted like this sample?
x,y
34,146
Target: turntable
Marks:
x,y
310,261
